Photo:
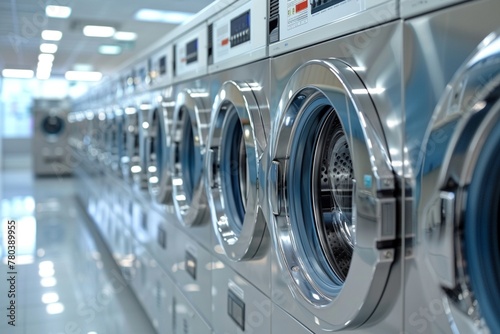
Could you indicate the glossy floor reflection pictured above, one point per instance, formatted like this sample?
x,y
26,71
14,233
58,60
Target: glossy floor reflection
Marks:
x,y
66,280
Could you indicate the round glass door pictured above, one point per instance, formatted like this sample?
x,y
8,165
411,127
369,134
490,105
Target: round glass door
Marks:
x,y
331,190
52,125
232,170
190,128
462,217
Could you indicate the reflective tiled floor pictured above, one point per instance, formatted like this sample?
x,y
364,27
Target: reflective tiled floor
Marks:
x,y
66,279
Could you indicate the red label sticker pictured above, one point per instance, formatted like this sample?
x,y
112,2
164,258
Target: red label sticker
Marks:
x,y
225,41
301,6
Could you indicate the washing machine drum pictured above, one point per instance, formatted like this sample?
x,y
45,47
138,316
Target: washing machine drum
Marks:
x,y
190,129
158,152
236,142
52,125
332,193
462,221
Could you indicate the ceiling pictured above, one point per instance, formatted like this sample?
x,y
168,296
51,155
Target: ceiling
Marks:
x,y
22,21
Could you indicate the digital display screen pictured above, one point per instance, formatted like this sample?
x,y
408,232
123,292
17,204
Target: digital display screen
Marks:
x,y
192,51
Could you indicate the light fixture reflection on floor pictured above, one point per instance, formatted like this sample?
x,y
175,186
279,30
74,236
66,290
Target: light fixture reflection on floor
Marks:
x,y
55,308
50,298
48,282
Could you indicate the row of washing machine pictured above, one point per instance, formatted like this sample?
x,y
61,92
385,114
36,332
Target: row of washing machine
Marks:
x,y
337,173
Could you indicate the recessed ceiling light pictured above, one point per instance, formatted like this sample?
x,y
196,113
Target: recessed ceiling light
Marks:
x,y
61,12
163,16
15,73
51,35
110,49
46,58
48,48
125,36
98,31
83,76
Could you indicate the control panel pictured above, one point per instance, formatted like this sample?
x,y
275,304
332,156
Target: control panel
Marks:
x,y
240,30
191,54
160,72
141,79
313,21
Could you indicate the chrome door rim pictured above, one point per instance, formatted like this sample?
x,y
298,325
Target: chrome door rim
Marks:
x,y
466,123
159,176
351,302
131,159
237,218
191,113
144,129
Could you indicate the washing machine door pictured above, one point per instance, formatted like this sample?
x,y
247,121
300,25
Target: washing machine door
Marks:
x,y
190,129
461,171
236,142
52,127
131,160
332,193
158,150
140,172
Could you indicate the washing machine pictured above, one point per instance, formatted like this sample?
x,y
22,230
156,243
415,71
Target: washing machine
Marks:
x,y
334,169
51,155
190,126
238,136
240,125
452,77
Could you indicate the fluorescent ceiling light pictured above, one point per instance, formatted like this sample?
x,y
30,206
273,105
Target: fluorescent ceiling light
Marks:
x,y
163,16
98,31
48,48
46,58
110,49
83,76
19,74
61,12
51,35
125,36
